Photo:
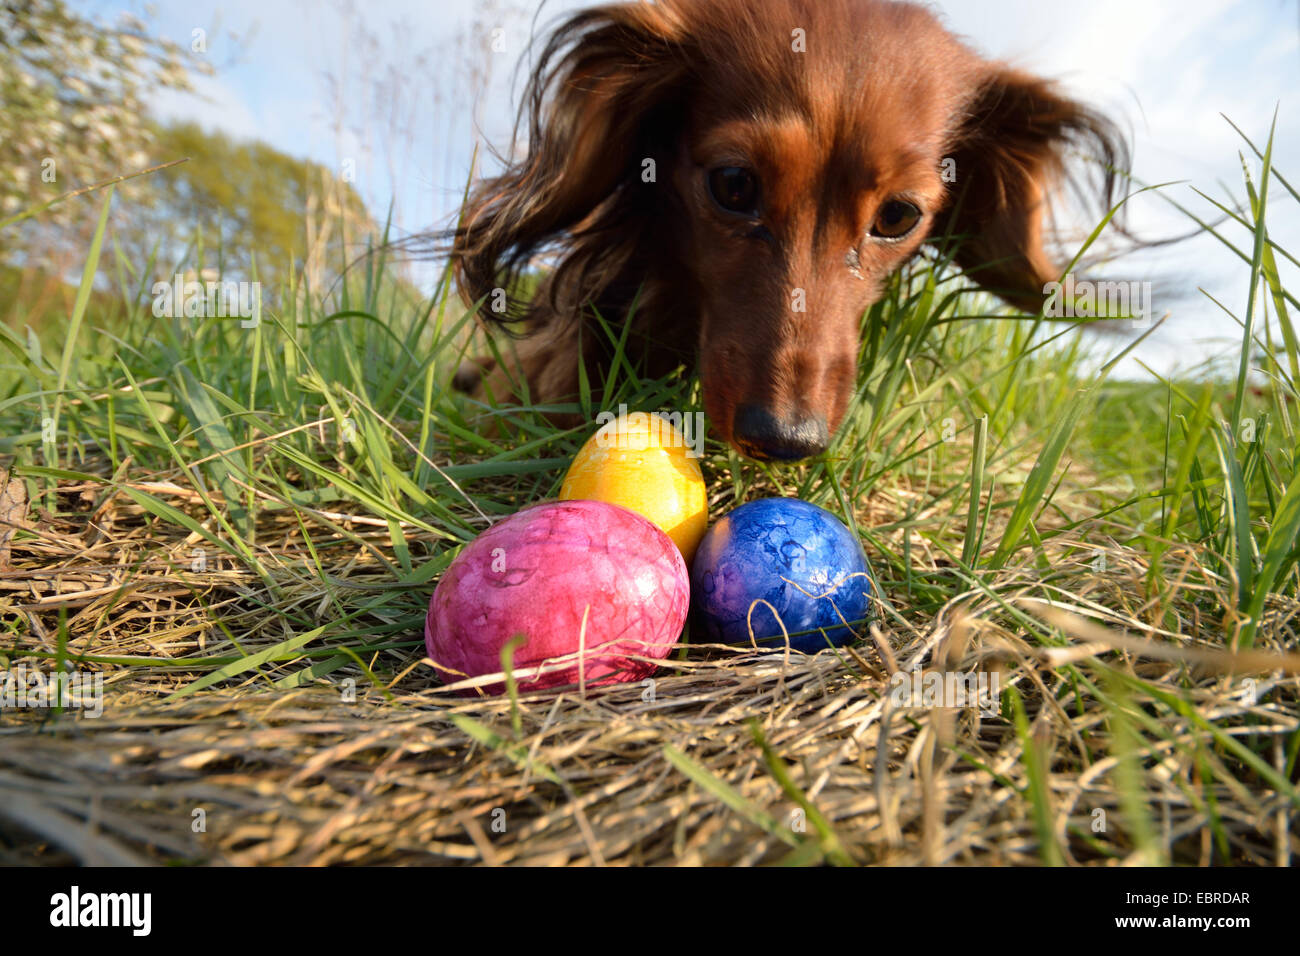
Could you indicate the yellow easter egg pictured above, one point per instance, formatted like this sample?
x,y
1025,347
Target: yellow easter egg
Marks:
x,y
643,463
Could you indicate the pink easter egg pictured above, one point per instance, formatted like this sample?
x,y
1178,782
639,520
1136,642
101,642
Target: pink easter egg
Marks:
x,y
564,574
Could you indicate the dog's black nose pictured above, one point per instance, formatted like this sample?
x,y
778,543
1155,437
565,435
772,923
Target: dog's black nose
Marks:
x,y
760,434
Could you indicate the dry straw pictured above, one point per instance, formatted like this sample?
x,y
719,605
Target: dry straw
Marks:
x,y
729,757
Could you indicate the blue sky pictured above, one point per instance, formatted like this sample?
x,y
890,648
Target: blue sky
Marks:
x,y
301,76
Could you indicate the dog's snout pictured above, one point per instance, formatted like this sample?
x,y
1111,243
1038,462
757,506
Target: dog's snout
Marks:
x,y
763,435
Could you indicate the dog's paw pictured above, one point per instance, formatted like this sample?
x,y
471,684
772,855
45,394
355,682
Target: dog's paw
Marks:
x,y
471,373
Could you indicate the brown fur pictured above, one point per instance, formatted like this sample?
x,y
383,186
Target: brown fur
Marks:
x,y
882,95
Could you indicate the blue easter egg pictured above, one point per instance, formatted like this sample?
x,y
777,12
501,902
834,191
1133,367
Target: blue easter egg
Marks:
x,y
798,558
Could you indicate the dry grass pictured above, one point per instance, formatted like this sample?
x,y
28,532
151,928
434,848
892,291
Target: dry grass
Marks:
x,y
250,575
409,772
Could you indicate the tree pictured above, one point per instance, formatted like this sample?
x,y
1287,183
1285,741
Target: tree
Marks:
x,y
243,203
74,110
73,93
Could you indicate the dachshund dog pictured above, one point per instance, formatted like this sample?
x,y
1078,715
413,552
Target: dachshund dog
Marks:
x,y
734,180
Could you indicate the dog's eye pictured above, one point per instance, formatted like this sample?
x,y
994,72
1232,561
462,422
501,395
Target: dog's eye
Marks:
x,y
734,188
895,219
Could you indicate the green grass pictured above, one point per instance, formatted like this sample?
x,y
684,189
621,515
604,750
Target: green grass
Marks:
x,y
982,461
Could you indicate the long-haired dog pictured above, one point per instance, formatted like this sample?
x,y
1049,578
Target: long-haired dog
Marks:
x,y
736,179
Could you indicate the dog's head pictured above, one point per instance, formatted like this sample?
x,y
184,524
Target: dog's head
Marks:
x,y
762,166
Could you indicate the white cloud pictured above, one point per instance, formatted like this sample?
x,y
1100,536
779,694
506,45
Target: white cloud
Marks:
x,y
1169,67
214,105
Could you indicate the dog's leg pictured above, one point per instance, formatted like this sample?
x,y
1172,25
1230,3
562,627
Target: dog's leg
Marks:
x,y
471,372
541,369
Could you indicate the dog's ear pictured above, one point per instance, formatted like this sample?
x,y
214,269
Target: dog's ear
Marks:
x,y
1010,154
601,101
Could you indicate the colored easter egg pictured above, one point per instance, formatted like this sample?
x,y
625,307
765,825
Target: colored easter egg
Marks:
x,y
567,575
786,557
643,462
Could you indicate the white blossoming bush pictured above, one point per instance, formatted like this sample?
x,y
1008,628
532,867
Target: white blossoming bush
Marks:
x,y
74,104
